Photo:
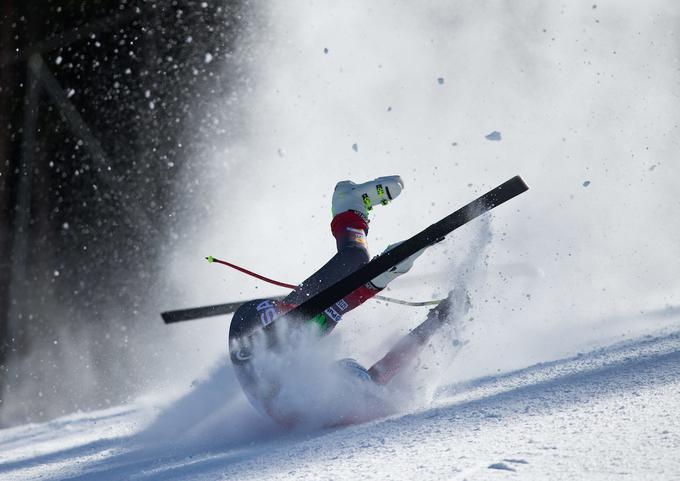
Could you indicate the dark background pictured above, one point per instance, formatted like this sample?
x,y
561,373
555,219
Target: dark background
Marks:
x,y
100,110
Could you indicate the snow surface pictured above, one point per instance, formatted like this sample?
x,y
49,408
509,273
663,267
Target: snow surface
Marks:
x,y
611,413
586,99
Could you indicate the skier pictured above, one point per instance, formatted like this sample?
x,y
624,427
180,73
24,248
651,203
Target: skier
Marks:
x,y
350,205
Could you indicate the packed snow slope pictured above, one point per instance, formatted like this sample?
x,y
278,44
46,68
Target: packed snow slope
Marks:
x,y
571,370
610,413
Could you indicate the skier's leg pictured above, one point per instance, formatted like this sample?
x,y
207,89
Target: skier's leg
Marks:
x,y
349,229
350,205
449,310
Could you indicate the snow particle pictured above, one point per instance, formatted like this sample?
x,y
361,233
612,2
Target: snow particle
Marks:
x,y
586,183
440,80
70,93
389,109
208,58
325,50
355,147
56,273
58,60
65,226
495,135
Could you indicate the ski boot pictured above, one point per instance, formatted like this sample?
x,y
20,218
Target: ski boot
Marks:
x,y
362,197
450,312
454,307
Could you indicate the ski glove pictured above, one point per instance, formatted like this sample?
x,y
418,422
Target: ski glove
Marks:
x,y
403,267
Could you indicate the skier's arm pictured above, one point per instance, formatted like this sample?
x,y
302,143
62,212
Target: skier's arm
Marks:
x,y
330,317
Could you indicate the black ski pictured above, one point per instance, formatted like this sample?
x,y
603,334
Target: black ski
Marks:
x,y
427,237
180,315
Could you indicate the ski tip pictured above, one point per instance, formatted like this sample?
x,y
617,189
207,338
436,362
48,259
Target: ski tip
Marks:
x,y
519,181
210,259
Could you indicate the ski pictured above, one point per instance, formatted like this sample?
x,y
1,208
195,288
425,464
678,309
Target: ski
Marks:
x,y
189,314
427,237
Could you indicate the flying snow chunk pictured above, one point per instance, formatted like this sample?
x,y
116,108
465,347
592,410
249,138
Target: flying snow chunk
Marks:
x,y
495,135
501,466
355,147
586,183
440,80
58,60
208,58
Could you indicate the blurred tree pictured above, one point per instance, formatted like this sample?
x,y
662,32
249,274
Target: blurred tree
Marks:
x,y
97,147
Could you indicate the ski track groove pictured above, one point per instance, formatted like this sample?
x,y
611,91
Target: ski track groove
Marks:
x,y
608,413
